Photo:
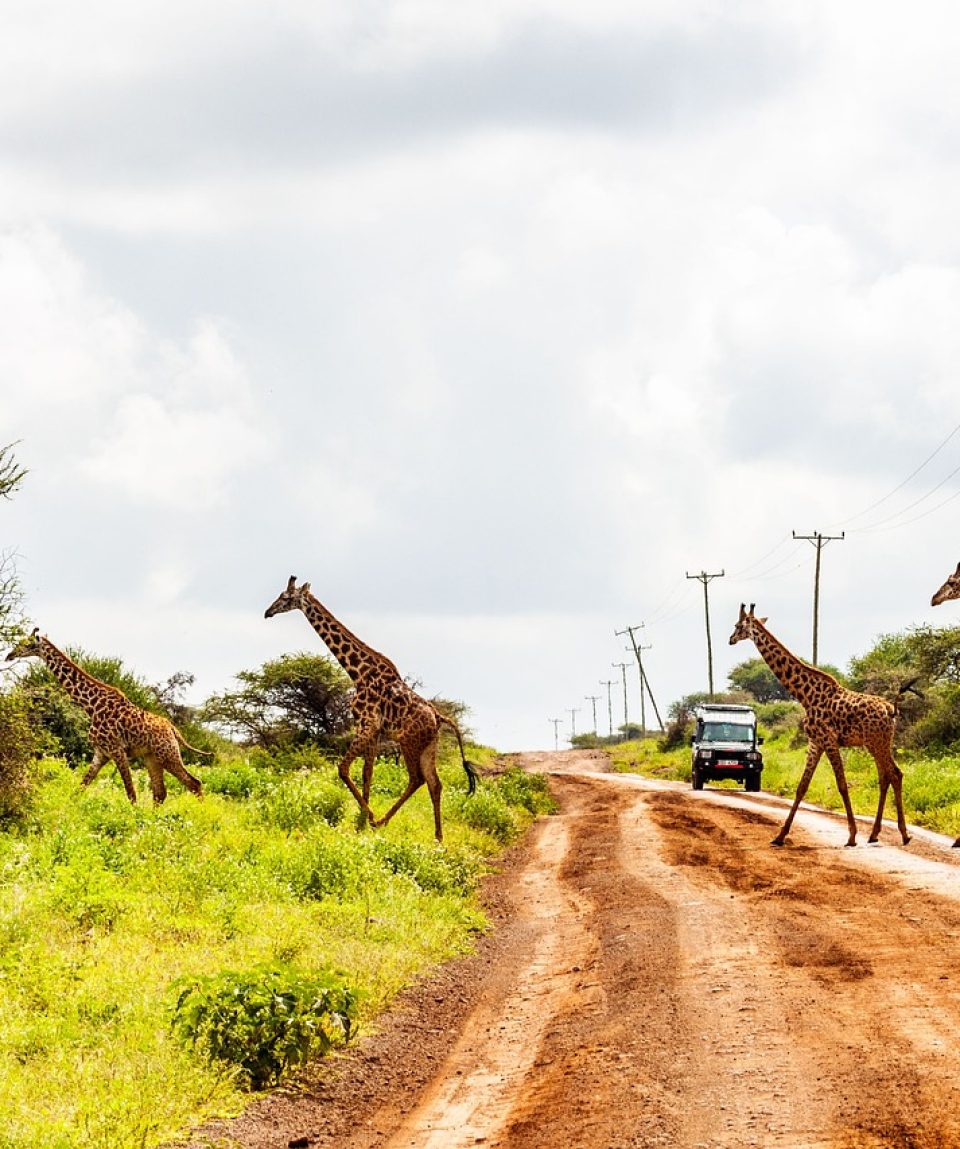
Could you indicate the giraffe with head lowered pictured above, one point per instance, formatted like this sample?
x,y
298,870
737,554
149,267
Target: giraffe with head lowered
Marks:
x,y
835,717
383,704
119,730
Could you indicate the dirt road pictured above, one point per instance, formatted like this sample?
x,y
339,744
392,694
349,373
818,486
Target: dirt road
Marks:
x,y
661,976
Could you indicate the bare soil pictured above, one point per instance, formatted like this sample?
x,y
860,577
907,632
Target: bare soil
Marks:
x,y
659,975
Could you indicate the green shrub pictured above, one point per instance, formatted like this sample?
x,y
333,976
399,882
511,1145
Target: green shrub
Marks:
x,y
437,870
487,810
529,791
298,802
240,778
263,1022
325,866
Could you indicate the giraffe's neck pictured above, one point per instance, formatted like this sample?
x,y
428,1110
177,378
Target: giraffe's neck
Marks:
x,y
802,681
356,658
81,687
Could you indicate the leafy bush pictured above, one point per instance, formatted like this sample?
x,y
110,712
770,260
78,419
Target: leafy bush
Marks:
x,y
487,810
263,1022
237,779
437,870
296,803
529,791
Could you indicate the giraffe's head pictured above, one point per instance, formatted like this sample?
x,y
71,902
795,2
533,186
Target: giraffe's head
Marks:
x,y
949,590
291,599
27,647
745,624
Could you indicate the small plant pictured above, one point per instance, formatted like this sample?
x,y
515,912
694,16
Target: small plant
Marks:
x,y
263,1022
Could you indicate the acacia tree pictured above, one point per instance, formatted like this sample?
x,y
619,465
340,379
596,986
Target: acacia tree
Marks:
x,y
290,700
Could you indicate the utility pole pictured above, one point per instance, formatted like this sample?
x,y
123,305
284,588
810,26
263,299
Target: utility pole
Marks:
x,y
556,726
594,698
573,721
644,681
623,671
608,683
819,541
706,579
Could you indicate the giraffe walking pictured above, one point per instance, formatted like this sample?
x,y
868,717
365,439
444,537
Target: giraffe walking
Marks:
x,y
382,704
119,730
834,717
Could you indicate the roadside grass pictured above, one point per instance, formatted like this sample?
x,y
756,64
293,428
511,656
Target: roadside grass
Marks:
x,y
931,786
106,909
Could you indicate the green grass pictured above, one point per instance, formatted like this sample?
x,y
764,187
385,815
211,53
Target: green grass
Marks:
x,y
931,786
105,909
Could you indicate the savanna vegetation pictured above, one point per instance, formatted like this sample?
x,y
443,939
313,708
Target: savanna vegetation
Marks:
x,y
159,963
921,665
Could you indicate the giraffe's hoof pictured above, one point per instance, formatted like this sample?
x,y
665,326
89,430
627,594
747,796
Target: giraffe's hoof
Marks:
x,y
956,844
906,840
848,845
777,842
873,839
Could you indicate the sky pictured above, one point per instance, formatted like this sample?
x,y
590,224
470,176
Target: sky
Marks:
x,y
492,321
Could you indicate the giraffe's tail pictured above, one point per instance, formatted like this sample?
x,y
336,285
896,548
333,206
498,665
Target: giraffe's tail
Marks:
x,y
184,742
909,687
471,768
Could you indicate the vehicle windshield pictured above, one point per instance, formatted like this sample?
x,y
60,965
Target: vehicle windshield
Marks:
x,y
726,732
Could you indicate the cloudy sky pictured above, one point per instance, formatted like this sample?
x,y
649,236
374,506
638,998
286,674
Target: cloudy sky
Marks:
x,y
493,321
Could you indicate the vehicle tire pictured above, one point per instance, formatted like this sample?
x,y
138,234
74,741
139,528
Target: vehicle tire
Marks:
x,y
697,780
752,783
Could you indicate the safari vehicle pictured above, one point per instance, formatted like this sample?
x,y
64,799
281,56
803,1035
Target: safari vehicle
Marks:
x,y
725,745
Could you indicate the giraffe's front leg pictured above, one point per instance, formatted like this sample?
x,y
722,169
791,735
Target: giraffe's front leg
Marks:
x,y
364,741
813,757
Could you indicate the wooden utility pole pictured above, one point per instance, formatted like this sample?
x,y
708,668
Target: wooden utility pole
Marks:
x,y
706,579
594,698
644,681
819,541
573,721
608,684
556,726
623,671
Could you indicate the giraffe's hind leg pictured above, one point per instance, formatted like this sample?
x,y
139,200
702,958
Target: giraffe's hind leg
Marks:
x,y
836,761
890,775
168,758
414,753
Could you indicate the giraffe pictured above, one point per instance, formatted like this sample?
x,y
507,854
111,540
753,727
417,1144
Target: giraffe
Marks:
x,y
834,717
118,729
949,590
382,704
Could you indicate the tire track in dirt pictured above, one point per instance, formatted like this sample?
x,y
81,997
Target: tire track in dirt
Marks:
x,y
662,977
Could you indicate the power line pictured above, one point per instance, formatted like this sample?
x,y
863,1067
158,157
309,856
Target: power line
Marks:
x,y
899,487
644,683
706,579
819,541
556,726
608,683
623,671
593,698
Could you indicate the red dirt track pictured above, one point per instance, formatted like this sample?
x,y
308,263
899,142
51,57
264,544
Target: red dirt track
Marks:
x,y
659,975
